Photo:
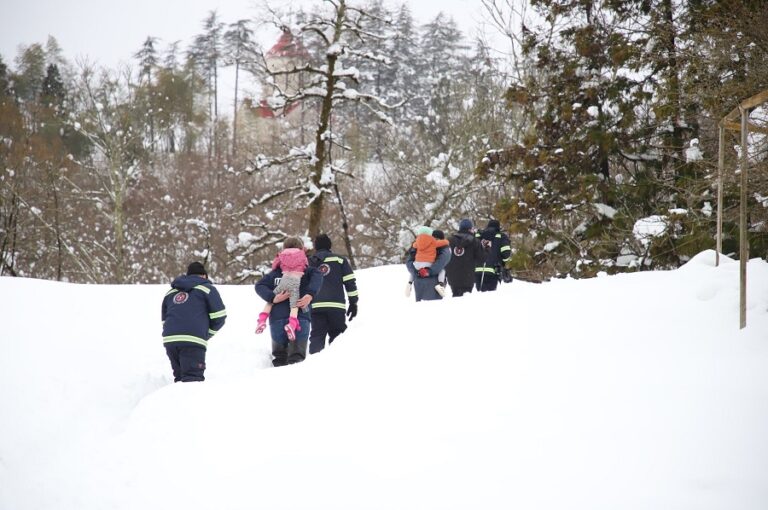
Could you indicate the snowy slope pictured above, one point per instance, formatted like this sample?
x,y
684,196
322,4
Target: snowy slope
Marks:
x,y
634,392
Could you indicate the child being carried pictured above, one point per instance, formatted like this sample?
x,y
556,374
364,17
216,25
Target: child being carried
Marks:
x,y
425,248
293,262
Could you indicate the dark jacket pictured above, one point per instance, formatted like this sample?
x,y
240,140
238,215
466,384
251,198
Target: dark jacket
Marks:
x,y
310,284
496,249
466,255
424,288
337,277
192,311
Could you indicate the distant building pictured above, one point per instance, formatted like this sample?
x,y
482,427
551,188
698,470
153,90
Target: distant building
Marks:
x,y
263,121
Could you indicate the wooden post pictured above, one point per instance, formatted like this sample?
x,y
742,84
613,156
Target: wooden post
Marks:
x,y
720,172
743,241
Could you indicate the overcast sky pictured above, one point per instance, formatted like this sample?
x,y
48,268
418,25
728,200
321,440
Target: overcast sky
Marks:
x,y
108,33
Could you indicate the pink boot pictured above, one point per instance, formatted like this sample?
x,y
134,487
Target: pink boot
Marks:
x,y
292,327
262,323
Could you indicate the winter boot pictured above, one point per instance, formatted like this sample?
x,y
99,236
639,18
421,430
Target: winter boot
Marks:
x,y
292,327
440,288
262,323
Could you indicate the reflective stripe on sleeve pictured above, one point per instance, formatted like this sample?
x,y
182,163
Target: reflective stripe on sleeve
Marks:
x,y
216,315
203,288
350,276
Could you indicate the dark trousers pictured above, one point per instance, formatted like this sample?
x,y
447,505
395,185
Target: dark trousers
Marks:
x,y
460,291
329,322
284,351
187,361
486,281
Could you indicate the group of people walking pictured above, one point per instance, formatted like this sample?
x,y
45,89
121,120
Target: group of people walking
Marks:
x,y
309,299
468,259
193,311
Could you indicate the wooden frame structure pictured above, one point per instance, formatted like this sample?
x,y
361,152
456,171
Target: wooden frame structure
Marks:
x,y
744,127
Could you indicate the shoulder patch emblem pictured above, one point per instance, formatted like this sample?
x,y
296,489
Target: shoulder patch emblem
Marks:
x,y
180,297
458,251
324,269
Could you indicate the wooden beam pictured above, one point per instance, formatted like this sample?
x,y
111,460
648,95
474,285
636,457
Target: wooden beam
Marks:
x,y
736,126
755,100
747,104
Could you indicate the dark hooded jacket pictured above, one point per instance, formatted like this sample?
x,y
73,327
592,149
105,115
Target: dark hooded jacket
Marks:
x,y
337,277
496,247
466,255
192,311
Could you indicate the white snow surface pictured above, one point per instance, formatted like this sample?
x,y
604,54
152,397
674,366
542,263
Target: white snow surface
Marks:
x,y
634,391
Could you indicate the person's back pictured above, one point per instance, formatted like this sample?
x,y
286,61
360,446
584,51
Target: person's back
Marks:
x,y
467,254
329,306
497,251
426,247
192,312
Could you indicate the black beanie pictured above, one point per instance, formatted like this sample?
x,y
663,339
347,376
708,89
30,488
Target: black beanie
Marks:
x,y
494,224
438,234
322,242
196,268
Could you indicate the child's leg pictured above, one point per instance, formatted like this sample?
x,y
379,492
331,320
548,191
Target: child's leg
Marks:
x,y
261,323
441,276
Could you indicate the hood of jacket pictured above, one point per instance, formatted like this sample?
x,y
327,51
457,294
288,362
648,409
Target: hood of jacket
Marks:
x,y
463,239
189,282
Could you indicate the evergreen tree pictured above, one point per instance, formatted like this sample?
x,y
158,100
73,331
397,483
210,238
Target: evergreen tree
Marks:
x,y
30,64
206,54
240,49
52,93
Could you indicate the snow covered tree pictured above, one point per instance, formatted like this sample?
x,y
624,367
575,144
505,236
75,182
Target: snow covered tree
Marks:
x,y
107,119
240,49
206,54
339,31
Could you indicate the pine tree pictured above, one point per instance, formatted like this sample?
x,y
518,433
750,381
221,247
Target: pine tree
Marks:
x,y
240,49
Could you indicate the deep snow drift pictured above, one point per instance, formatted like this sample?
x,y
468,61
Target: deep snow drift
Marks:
x,y
624,392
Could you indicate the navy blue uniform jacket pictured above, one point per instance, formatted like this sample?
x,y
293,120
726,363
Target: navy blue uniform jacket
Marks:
x,y
498,251
192,311
310,284
337,277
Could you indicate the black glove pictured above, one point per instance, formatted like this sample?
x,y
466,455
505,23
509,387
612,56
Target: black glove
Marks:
x,y
352,311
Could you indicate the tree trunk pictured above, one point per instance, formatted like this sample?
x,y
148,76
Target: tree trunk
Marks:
x,y
316,207
234,116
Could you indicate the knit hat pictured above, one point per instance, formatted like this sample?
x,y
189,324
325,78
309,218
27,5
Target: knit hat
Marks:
x,y
196,268
438,234
423,230
494,224
465,225
322,242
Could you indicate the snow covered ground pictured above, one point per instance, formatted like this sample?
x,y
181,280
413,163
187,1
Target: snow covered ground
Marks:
x,y
623,392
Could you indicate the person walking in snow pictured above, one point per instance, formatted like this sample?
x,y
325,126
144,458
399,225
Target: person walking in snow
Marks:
x,y
284,350
424,254
497,251
425,284
192,312
292,262
329,305
466,255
